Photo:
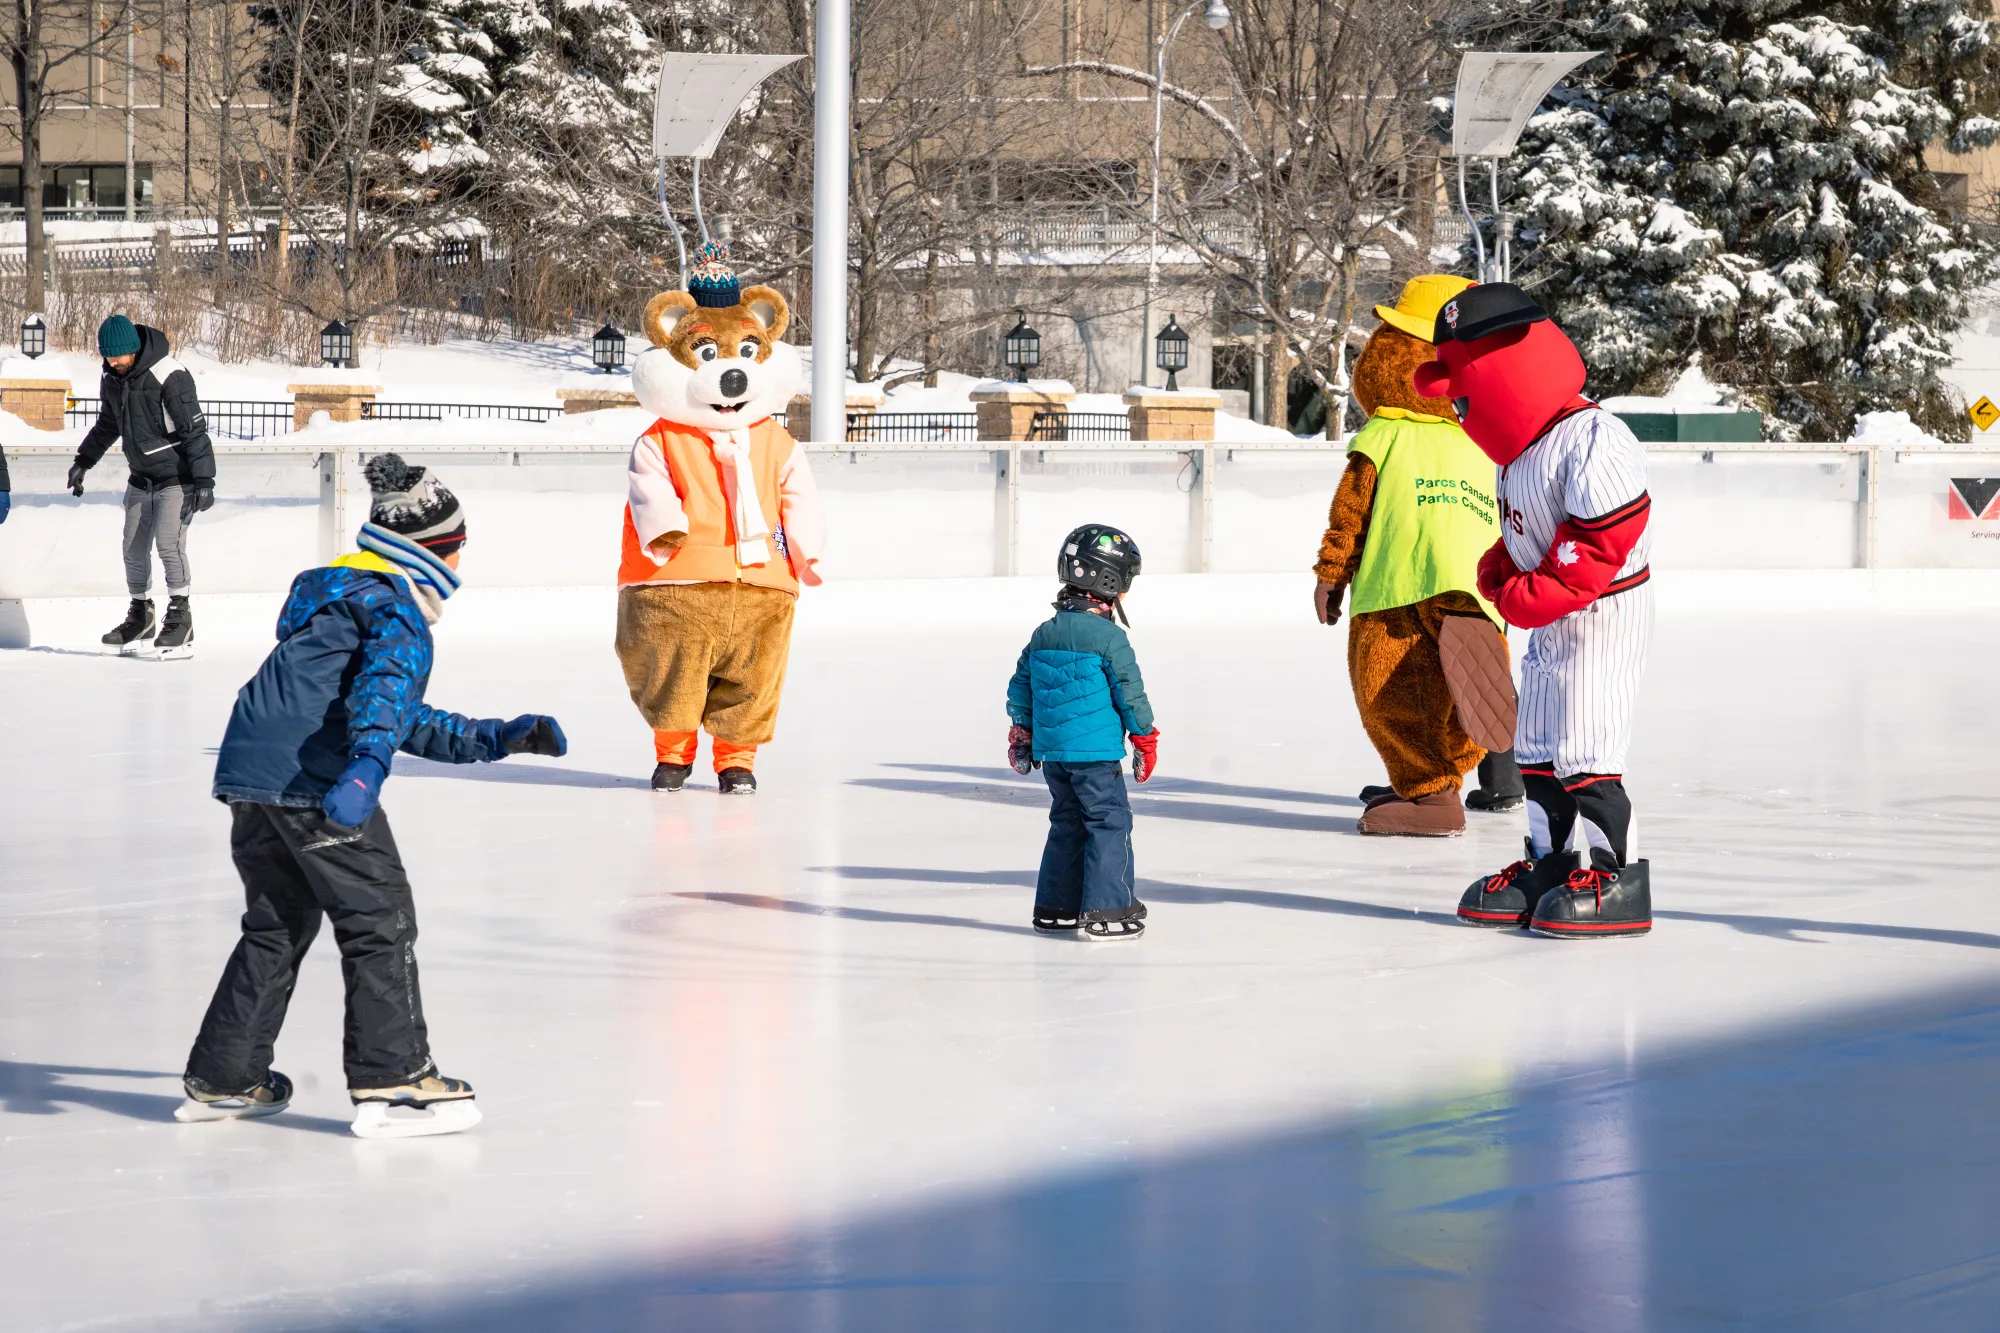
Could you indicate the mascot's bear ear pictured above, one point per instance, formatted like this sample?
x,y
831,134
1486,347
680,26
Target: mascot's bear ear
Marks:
x,y
663,312
767,308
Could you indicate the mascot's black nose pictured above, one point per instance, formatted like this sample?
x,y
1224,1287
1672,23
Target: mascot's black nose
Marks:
x,y
735,383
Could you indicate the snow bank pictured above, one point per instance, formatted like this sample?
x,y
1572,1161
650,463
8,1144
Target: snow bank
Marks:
x,y
1892,429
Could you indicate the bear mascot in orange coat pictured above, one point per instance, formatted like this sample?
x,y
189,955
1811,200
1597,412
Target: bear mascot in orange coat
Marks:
x,y
722,527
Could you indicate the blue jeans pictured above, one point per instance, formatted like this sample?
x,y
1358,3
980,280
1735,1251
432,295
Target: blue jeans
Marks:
x,y
1087,865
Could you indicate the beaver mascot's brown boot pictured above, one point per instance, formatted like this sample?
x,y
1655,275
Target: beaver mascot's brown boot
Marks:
x,y
1439,815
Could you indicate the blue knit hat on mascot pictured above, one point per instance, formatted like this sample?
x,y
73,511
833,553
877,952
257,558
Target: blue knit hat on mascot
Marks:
x,y
712,281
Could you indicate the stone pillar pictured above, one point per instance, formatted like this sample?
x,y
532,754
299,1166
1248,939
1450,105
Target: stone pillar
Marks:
x,y
1007,408
1185,415
340,402
40,403
596,399
862,399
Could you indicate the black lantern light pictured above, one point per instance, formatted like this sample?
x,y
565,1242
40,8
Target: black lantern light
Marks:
x,y
336,344
607,349
1170,352
1022,348
34,337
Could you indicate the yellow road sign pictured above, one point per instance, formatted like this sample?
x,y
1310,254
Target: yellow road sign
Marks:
x,y
1983,413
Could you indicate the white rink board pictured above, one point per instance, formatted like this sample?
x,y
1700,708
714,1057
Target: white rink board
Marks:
x,y
556,521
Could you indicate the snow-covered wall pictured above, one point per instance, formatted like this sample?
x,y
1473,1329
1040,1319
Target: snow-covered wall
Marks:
x,y
554,520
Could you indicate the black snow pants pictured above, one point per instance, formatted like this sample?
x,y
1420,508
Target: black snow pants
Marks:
x,y
359,885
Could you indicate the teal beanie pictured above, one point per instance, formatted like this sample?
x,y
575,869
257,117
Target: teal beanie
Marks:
x,y
117,336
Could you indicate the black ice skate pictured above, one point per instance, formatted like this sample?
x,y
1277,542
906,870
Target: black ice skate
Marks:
x,y
1594,903
1121,923
204,1102
131,636
737,782
427,1104
1056,923
671,777
176,639
1510,897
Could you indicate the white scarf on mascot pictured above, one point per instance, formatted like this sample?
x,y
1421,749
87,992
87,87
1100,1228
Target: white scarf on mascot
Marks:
x,y
746,507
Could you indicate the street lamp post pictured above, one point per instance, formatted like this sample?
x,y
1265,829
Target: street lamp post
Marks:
x,y
1216,15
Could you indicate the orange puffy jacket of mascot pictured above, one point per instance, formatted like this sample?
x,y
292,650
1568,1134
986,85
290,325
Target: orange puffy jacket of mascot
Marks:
x,y
1414,509
722,525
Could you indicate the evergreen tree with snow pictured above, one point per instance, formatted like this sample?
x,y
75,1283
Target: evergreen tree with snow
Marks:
x,y
572,176
1743,181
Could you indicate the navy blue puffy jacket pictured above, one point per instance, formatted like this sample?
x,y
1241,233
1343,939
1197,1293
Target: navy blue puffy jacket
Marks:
x,y
1077,685
346,679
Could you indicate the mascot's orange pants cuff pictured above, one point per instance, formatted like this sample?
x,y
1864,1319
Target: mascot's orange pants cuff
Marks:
x,y
728,754
677,747
674,747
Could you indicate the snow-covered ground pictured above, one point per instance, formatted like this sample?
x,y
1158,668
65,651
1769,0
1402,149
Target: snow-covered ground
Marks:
x,y
796,1062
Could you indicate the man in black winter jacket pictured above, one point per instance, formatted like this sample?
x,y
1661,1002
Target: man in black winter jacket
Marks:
x,y
147,399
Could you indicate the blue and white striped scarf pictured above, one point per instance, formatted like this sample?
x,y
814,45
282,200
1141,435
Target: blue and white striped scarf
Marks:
x,y
431,579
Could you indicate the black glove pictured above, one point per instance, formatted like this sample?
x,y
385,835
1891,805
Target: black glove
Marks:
x,y
531,733
197,498
76,471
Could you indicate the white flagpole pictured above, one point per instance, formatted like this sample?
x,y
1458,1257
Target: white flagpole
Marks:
x,y
829,303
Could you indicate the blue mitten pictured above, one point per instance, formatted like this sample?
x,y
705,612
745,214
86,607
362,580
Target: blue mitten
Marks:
x,y
6,503
354,795
532,733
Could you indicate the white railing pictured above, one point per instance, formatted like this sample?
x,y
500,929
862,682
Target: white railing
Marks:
x,y
1201,506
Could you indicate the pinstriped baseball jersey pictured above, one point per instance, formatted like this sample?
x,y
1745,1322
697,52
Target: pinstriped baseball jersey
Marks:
x,y
1580,683
1587,465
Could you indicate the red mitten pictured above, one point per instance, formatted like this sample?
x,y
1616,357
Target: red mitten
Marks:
x,y
1495,568
1021,750
1145,754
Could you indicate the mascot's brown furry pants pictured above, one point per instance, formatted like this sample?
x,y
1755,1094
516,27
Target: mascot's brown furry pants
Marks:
x,y
1406,707
706,655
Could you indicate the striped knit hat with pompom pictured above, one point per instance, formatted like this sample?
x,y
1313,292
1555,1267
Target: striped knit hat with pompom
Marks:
x,y
412,502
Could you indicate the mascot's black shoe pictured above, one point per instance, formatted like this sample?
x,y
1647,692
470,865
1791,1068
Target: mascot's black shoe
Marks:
x,y
671,777
1592,904
1371,794
1510,897
1500,786
737,782
1491,802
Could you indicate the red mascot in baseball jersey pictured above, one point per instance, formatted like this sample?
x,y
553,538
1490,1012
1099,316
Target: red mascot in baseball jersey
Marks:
x,y
1570,565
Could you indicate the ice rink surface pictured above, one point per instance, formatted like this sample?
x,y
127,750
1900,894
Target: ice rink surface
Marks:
x,y
797,1062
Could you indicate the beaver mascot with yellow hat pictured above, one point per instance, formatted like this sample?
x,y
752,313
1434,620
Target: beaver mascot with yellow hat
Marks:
x,y
1414,512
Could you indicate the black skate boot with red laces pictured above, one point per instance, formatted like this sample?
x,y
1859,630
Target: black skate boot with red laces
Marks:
x,y
1510,897
1597,902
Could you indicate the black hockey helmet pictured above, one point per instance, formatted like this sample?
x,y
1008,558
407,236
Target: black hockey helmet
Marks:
x,y
1099,559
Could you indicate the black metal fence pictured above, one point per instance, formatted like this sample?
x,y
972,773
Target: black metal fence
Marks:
x,y
379,411
897,427
1080,427
231,418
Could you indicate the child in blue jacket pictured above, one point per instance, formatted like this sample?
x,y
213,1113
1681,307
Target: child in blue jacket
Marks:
x,y
1075,698
301,768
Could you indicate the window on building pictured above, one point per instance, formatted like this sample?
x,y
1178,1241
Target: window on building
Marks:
x,y
93,186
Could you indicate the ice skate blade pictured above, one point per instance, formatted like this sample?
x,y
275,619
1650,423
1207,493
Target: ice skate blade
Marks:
x,y
136,648
180,654
192,1112
373,1121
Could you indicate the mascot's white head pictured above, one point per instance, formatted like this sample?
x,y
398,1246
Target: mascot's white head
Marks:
x,y
716,361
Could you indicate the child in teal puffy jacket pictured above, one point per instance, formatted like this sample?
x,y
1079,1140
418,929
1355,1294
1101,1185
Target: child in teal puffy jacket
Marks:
x,y
1075,698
